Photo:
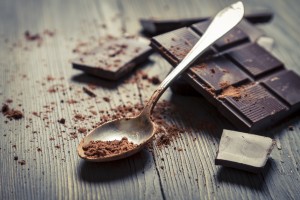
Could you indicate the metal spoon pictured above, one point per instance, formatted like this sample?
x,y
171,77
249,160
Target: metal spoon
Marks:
x,y
141,129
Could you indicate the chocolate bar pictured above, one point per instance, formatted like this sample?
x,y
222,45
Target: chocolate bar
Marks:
x,y
247,84
114,58
154,26
244,151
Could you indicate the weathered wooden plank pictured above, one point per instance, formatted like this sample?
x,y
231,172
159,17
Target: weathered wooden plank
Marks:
x,y
56,172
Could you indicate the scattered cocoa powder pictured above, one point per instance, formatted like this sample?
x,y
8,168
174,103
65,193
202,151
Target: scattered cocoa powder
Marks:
x,y
71,101
49,32
32,37
11,113
99,149
22,162
79,117
224,84
234,92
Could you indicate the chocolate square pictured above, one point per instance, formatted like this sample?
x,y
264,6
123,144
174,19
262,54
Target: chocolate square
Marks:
x,y
177,44
255,103
219,73
114,58
244,151
255,60
286,85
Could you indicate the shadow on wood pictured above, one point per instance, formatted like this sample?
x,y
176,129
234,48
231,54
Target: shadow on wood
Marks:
x,y
200,115
110,171
245,179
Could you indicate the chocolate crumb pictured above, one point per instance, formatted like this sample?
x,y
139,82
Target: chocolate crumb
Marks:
x,y
9,100
4,108
31,37
82,130
16,157
89,92
79,117
61,121
106,99
71,101
22,162
11,113
155,80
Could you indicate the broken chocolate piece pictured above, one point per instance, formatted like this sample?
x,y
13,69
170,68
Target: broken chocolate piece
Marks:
x,y
155,26
113,59
244,151
240,78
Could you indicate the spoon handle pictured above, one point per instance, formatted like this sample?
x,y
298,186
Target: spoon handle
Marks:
x,y
223,22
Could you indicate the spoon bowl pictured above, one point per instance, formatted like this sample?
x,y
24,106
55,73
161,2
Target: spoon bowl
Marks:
x,y
138,130
141,129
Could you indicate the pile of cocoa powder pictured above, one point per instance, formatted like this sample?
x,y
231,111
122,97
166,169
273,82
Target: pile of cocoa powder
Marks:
x,y
99,149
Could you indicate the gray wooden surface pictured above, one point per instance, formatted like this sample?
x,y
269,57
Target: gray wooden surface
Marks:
x,y
56,172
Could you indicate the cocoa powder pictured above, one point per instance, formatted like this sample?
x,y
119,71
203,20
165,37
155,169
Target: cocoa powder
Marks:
x,y
99,149
234,92
11,113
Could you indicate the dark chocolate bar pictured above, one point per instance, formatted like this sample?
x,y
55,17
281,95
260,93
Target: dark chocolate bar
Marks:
x,y
114,58
247,84
154,26
244,151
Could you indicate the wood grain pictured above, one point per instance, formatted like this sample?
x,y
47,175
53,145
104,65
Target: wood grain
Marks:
x,y
56,172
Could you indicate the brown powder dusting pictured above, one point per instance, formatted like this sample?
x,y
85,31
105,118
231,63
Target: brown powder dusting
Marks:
x,y
11,113
165,132
234,92
224,84
32,37
100,149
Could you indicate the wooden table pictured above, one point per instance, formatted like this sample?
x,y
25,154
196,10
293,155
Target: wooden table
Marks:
x,y
54,171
